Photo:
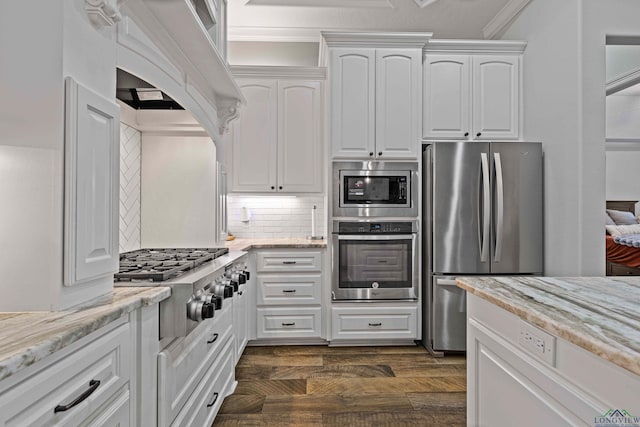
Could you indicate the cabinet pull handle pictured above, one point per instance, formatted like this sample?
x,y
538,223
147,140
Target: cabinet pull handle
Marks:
x,y
466,134
289,324
240,292
280,188
213,402
288,291
380,153
375,324
478,134
273,187
93,385
289,262
213,339
371,153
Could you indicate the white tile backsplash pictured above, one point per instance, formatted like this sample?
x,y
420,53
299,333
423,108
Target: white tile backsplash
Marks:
x,y
276,216
129,188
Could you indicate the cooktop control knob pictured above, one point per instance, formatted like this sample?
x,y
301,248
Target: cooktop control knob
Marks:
x,y
198,310
246,274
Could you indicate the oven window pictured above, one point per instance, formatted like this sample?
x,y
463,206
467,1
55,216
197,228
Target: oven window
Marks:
x,y
362,262
374,189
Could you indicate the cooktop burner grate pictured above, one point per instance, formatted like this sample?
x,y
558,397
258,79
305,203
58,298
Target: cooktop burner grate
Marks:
x,y
159,265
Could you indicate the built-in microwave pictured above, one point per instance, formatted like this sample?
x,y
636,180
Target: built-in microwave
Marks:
x,y
375,189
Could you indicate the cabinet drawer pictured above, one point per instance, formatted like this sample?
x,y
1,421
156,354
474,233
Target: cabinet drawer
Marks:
x,y
289,289
204,403
116,414
182,364
374,323
288,322
102,365
288,261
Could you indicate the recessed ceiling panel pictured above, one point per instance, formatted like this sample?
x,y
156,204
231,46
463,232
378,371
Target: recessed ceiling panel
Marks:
x,y
322,3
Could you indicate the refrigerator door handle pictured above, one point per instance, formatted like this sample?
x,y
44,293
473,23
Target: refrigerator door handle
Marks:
x,y
499,207
486,206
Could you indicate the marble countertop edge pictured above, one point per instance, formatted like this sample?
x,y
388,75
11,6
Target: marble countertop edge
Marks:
x,y
621,356
28,337
246,244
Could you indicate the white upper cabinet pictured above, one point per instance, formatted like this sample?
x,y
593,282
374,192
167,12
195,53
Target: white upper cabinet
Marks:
x,y
469,92
375,94
398,74
255,137
277,144
352,102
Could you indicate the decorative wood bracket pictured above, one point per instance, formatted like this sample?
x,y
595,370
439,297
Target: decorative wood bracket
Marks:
x,y
227,112
103,13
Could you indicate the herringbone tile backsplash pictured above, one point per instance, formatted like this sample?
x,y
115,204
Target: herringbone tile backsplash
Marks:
x,y
129,188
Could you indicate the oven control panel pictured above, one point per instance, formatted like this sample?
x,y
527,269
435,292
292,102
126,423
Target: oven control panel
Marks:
x,y
386,227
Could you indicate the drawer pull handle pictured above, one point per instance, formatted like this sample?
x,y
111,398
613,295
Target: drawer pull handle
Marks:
x,y
375,324
213,402
213,339
93,385
289,262
288,291
289,324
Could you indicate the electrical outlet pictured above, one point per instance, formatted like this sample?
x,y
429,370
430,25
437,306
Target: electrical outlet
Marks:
x,y
537,342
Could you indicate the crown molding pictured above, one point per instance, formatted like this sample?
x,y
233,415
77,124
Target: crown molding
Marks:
x,y
612,144
323,3
424,3
623,82
244,71
503,18
371,39
273,34
475,46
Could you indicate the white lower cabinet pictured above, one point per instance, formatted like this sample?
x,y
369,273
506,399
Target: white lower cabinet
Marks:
x,y
368,322
88,383
563,386
184,367
240,316
205,401
289,289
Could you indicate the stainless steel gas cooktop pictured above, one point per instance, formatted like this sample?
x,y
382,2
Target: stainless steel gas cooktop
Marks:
x,y
158,265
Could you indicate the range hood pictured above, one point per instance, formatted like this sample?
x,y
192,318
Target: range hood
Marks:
x,y
140,95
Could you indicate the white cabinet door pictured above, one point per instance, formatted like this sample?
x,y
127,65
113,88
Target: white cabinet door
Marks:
x,y
352,102
240,313
446,97
92,169
254,138
496,97
299,136
398,80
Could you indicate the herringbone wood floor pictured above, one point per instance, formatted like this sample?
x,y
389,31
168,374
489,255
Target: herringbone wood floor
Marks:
x,y
313,386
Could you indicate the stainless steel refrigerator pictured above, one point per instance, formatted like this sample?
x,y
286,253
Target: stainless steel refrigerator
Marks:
x,y
482,215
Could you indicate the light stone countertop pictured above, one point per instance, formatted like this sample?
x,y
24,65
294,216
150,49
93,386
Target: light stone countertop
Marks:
x,y
27,337
599,314
274,243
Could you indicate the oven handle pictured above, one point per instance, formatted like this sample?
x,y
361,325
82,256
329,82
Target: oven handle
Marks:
x,y
376,236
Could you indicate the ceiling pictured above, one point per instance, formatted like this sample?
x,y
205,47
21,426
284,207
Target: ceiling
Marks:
x,y
302,20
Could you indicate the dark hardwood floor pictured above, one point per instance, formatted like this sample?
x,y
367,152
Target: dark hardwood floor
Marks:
x,y
346,386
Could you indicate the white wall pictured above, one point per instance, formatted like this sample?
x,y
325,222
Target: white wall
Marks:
x,y
621,60
178,191
623,118
40,45
273,53
564,70
274,216
623,175
551,115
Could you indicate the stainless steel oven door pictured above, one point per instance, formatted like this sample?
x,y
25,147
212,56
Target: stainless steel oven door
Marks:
x,y
374,267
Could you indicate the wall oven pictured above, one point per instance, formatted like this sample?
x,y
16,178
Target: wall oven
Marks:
x,y
374,260
377,189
